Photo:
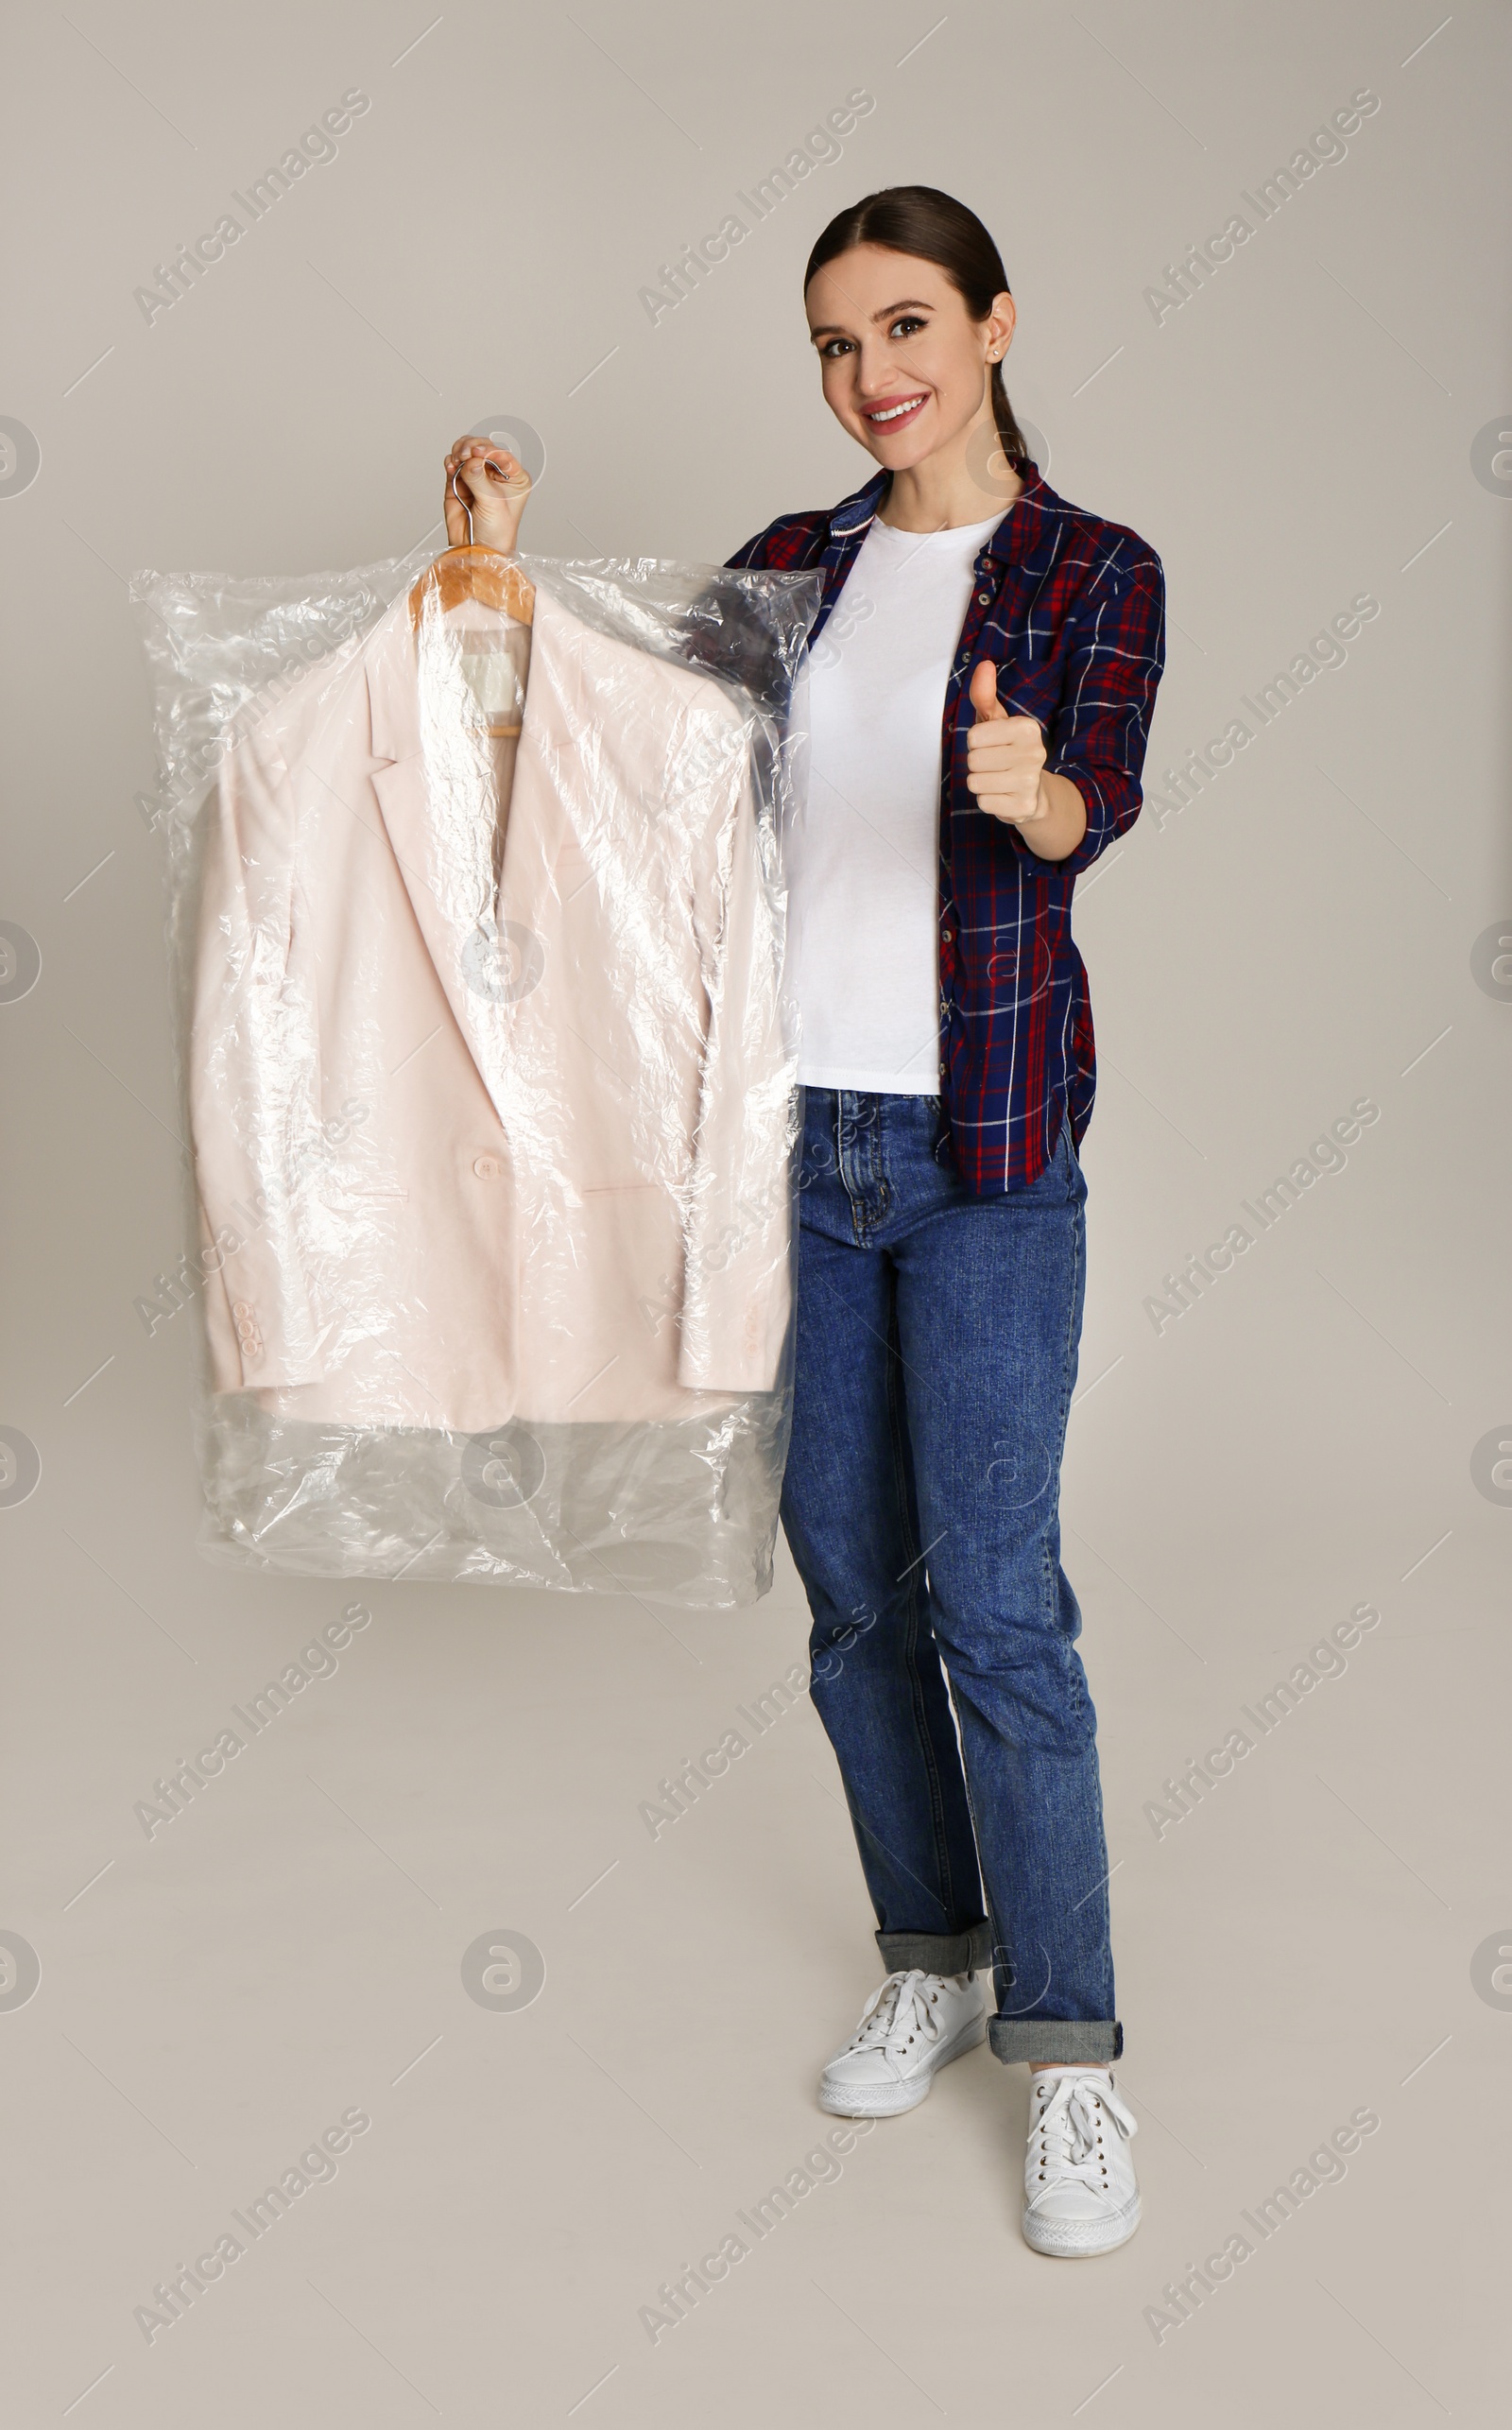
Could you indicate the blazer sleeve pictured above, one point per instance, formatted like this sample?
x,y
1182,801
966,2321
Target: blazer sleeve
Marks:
x,y
251,1079
737,1288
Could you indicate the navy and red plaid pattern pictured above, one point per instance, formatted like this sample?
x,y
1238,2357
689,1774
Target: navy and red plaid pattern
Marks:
x,y
1072,611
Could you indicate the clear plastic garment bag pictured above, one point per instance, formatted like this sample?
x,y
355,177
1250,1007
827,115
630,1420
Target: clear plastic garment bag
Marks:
x,y
475,925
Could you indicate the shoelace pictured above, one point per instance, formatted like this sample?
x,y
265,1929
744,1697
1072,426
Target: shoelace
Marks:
x,y
900,2006
1068,2126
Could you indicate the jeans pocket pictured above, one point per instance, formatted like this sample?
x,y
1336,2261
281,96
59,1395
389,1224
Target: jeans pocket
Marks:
x,y
1063,1179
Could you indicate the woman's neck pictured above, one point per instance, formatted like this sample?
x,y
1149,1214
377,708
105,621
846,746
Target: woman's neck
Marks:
x,y
945,490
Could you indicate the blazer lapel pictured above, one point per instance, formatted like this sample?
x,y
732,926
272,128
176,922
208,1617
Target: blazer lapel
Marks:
x,y
435,790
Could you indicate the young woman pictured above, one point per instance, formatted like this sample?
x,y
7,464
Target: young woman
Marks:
x,y
981,676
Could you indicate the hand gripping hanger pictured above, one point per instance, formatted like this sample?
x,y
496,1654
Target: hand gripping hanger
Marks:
x,y
469,573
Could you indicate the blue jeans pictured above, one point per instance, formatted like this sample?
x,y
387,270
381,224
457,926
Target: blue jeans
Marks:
x,y
936,1352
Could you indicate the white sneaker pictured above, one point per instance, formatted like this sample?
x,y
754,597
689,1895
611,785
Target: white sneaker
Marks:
x,y
909,2029
1080,2194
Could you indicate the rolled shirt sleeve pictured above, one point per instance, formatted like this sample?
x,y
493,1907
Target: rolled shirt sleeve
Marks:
x,y
1097,736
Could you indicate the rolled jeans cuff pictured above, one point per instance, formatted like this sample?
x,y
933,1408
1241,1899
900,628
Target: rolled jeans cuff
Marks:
x,y
1060,2040
939,1953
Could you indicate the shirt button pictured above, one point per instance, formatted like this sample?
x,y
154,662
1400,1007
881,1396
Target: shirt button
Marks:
x,y
947,935
984,598
488,1169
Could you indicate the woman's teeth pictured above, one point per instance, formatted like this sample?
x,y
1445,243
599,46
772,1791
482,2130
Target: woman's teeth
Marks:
x,y
893,413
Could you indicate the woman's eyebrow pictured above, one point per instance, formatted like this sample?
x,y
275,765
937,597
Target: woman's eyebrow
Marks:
x,y
909,304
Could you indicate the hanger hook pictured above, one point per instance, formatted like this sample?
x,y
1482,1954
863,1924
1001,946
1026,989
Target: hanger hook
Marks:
x,y
466,504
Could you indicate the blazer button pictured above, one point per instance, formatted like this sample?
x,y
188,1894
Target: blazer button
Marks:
x,y
488,1169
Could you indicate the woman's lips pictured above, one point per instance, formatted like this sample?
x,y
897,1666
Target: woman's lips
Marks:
x,y
894,413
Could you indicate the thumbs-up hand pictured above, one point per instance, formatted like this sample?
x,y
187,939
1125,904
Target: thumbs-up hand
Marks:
x,y
1005,756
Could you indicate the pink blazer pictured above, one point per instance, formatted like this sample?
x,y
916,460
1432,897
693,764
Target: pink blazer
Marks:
x,y
466,1156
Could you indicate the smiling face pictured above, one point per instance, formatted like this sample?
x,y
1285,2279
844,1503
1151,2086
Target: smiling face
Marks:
x,y
904,367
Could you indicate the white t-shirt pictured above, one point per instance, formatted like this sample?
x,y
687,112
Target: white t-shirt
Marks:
x,y
862,859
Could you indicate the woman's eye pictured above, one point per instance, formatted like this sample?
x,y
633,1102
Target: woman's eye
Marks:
x,y
907,325
832,349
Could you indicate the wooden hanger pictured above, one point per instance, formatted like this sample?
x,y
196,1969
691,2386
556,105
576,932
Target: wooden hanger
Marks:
x,y
469,573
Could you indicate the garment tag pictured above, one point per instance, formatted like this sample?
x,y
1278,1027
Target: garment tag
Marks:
x,y
493,680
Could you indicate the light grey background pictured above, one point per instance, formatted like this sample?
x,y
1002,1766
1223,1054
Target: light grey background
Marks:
x,y
1306,933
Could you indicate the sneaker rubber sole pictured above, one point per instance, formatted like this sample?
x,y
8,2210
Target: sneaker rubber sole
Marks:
x,y
1081,2239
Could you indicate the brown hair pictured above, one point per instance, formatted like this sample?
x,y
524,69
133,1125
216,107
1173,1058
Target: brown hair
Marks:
x,y
933,227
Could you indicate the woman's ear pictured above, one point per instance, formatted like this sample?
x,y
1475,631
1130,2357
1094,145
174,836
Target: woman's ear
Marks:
x,y
1001,324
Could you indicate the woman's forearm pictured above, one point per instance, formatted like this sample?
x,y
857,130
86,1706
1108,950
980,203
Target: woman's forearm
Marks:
x,y
1055,833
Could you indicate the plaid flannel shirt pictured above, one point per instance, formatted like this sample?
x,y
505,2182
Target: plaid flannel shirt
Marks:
x,y
1071,609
